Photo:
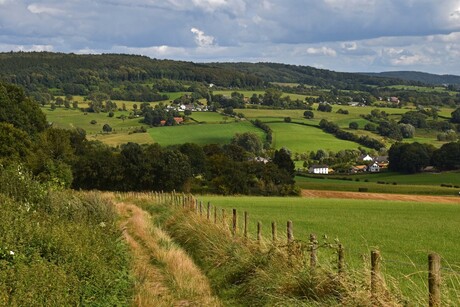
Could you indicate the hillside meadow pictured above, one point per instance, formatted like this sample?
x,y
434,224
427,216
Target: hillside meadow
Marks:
x,y
293,136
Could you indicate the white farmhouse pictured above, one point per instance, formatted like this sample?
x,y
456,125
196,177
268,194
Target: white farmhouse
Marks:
x,y
319,169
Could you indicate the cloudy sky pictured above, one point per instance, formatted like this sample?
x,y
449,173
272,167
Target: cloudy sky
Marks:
x,y
342,35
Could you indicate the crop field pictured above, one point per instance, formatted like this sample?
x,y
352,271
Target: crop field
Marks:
x,y
404,232
423,184
201,133
452,178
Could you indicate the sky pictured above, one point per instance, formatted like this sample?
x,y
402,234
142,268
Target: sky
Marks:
x,y
340,35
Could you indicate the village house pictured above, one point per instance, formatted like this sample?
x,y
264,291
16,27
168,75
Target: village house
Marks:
x,y
319,169
374,168
358,169
178,120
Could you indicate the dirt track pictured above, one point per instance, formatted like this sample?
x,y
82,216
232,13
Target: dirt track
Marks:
x,y
381,196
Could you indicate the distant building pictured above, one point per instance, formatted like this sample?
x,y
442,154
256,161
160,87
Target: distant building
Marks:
x,y
374,168
319,169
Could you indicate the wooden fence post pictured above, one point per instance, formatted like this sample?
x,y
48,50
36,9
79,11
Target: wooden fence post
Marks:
x,y
208,213
223,218
274,232
201,208
340,265
259,231
313,256
245,228
375,273
234,221
215,214
434,279
290,234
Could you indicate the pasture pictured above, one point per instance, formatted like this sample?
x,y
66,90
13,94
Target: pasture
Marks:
x,y
72,118
404,232
201,133
301,138
209,117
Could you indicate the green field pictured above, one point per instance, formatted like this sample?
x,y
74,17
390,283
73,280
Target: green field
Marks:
x,y
201,133
404,232
71,118
300,138
209,117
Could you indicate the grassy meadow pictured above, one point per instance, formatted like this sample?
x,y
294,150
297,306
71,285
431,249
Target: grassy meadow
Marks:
x,y
404,232
300,138
201,134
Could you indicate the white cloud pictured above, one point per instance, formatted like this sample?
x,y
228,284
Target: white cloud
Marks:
x,y
349,46
201,39
25,48
322,51
36,8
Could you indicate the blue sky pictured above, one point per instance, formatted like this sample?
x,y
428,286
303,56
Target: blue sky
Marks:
x,y
341,35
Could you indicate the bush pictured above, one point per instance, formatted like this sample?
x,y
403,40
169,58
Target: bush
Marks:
x,y
93,122
363,189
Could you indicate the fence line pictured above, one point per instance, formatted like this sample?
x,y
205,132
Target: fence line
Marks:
x,y
189,203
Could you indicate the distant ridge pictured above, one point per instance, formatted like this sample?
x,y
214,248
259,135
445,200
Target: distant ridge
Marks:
x,y
417,76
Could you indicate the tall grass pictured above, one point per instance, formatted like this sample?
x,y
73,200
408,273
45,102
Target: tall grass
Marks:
x,y
243,272
58,248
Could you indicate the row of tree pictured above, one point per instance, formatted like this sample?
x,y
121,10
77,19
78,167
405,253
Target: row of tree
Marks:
x,y
414,157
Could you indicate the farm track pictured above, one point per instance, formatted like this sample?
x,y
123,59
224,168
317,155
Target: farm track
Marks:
x,y
381,196
164,274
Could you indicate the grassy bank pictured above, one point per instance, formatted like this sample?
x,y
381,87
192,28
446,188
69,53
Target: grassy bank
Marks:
x,y
59,248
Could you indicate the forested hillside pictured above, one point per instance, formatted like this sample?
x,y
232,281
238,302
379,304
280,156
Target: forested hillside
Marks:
x,y
422,77
80,74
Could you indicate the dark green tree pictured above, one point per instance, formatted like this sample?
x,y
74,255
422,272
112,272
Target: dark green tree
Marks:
x,y
353,125
282,159
308,114
20,111
447,157
249,141
455,116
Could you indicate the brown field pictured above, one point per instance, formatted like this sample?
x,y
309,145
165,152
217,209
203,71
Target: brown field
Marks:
x,y
381,196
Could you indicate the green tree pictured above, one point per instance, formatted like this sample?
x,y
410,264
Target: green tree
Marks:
x,y
409,158
455,116
249,141
15,144
282,158
447,157
20,111
106,128
308,114
407,130
353,125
